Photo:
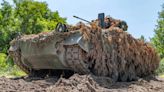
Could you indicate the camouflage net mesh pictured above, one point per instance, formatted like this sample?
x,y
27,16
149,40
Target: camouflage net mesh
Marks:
x,y
118,55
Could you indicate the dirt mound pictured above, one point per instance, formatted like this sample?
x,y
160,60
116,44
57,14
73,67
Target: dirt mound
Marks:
x,y
90,83
76,83
27,85
80,83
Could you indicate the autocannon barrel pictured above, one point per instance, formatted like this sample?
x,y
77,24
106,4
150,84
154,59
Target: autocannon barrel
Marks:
x,y
82,19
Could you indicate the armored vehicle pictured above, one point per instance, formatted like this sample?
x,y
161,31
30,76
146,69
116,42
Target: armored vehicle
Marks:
x,y
101,47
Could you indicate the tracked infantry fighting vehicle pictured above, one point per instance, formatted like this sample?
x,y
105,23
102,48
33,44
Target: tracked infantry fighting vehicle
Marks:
x,y
101,47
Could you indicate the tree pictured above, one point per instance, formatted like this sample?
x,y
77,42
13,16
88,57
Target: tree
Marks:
x,y
158,39
7,25
26,17
35,16
143,38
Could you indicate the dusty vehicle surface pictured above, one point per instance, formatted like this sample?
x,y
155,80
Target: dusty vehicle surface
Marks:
x,y
102,48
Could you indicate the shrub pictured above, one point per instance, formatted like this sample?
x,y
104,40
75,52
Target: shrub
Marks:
x,y
160,70
7,68
3,60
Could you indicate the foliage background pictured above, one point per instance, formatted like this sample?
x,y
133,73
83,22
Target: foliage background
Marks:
x,y
158,39
24,17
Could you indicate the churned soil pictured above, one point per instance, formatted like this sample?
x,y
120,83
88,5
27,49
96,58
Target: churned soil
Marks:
x,y
80,83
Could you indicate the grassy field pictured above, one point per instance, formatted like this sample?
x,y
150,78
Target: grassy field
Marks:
x,y
160,70
13,71
7,67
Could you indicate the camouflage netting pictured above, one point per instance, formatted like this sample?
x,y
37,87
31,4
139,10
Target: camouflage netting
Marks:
x,y
120,56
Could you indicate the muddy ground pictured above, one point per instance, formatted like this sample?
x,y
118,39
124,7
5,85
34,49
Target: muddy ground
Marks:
x,y
80,83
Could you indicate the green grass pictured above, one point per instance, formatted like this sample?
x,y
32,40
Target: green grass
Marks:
x,y
162,76
7,67
13,71
160,70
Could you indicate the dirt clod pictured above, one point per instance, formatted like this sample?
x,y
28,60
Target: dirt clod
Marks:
x,y
81,83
